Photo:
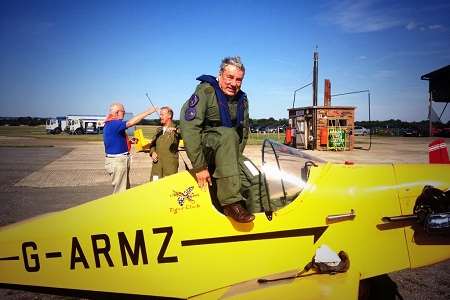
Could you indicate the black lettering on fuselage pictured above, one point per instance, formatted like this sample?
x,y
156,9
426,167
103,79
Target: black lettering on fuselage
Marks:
x,y
105,250
34,257
77,255
161,258
139,245
101,246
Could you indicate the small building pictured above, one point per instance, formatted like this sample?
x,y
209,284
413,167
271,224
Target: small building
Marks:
x,y
323,127
438,90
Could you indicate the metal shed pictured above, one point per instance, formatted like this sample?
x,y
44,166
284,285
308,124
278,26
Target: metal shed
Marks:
x,y
438,89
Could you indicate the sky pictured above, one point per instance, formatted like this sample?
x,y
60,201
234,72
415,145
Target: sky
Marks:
x,y
77,57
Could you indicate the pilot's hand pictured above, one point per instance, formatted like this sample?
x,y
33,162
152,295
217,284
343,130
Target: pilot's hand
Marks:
x,y
152,109
154,157
203,179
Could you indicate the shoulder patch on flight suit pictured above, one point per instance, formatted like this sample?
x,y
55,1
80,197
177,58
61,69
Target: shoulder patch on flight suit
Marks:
x,y
190,114
193,100
191,111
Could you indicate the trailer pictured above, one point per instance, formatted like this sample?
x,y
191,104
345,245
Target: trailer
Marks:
x,y
85,124
56,125
80,124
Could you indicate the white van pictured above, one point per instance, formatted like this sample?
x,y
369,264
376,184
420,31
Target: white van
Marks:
x,y
56,125
359,130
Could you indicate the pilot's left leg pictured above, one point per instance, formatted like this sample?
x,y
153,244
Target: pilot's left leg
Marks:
x,y
253,186
223,144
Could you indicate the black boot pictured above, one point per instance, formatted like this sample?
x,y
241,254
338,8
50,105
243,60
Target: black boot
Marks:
x,y
238,213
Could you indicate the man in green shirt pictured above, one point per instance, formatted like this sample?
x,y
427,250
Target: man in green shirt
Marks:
x,y
214,125
164,146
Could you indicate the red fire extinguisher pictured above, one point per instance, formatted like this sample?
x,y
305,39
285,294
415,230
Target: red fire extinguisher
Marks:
x,y
288,137
323,136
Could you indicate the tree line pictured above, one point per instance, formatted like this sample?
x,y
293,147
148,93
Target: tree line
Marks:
x,y
35,121
17,121
421,126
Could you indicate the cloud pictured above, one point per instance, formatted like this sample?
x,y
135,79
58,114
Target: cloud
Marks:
x,y
436,27
378,15
411,25
362,16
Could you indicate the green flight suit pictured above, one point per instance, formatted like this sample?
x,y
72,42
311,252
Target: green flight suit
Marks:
x,y
165,144
219,149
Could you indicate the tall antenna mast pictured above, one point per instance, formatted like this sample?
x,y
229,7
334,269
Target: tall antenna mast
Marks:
x,y
315,76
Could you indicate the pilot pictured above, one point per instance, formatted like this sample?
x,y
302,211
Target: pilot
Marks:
x,y
214,125
164,146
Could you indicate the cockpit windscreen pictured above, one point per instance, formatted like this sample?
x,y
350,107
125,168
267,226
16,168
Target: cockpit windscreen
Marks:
x,y
286,171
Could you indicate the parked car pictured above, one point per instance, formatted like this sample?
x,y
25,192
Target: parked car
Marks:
x,y
441,132
359,130
261,129
271,129
409,132
282,128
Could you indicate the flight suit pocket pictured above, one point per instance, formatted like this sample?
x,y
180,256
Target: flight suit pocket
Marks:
x,y
249,168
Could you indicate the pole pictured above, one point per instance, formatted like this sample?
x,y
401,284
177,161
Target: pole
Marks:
x,y
146,94
315,77
313,142
295,92
430,122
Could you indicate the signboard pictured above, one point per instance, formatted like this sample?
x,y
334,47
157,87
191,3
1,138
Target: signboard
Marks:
x,y
336,138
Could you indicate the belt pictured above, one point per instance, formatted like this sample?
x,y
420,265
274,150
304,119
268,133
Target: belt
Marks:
x,y
118,155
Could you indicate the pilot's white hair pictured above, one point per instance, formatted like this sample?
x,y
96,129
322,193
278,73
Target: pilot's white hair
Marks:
x,y
115,107
232,61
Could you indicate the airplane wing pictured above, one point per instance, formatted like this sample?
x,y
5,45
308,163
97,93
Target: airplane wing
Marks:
x,y
310,286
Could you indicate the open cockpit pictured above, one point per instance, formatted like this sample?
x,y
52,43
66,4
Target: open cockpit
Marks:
x,y
286,172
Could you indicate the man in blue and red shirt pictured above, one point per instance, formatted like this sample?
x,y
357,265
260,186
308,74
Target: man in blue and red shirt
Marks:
x,y
117,145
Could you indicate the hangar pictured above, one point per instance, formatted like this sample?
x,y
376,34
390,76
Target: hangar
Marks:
x,y
438,90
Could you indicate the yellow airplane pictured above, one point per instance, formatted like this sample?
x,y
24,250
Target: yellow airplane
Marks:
x,y
166,239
